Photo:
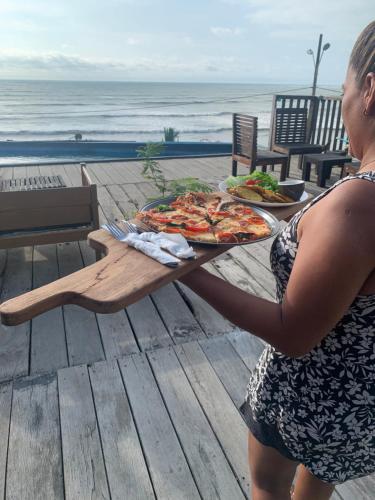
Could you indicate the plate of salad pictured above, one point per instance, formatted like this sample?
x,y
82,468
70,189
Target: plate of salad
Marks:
x,y
258,188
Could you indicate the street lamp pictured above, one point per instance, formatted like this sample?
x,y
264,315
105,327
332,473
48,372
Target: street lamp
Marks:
x,y
317,61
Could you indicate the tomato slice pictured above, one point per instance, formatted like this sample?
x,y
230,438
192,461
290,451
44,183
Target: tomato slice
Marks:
x,y
221,212
227,237
192,211
172,230
163,220
256,220
197,229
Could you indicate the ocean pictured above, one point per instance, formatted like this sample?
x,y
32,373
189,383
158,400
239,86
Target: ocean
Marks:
x,y
132,111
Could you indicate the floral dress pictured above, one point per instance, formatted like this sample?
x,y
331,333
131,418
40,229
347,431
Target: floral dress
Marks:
x,y
319,409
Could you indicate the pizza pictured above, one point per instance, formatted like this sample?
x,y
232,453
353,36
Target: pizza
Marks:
x,y
207,218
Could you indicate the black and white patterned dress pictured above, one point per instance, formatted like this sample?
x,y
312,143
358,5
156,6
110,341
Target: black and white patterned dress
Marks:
x,y
319,409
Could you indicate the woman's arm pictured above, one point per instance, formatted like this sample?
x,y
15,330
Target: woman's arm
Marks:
x,y
335,256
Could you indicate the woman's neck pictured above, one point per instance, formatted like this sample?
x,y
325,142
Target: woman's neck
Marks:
x,y
368,160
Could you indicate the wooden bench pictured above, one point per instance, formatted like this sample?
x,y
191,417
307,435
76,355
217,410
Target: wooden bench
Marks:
x,y
42,210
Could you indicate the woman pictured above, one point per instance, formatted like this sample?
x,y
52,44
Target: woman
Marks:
x,y
311,400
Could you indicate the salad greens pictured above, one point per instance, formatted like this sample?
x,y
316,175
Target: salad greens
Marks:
x,y
163,208
266,181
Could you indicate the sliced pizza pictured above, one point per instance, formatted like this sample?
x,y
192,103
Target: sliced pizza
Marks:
x,y
207,218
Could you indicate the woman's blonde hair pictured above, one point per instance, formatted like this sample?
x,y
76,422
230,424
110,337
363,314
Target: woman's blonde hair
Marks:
x,y
362,58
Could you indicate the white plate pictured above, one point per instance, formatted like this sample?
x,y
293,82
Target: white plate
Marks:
x,y
223,189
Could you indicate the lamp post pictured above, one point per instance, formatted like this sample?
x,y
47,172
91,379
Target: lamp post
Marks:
x,y
317,60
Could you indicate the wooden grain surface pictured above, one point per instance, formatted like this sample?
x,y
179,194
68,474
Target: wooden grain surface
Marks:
x,y
121,278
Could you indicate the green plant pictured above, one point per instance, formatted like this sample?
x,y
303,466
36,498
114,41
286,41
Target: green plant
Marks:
x,y
170,134
153,172
178,187
151,168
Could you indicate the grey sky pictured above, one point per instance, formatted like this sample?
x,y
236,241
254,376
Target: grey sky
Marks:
x,y
191,40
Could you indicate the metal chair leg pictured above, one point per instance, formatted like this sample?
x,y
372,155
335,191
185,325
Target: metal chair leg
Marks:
x,y
321,176
300,161
306,170
288,165
283,171
234,168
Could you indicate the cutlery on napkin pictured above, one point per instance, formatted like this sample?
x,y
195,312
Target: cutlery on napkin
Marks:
x,y
151,244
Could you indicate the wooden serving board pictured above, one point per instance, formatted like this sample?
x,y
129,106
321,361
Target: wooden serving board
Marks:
x,y
121,278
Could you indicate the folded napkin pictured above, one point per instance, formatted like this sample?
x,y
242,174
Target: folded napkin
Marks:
x,y
150,249
175,243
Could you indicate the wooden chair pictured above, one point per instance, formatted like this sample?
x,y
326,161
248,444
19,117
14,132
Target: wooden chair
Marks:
x,y
329,131
293,120
245,133
40,210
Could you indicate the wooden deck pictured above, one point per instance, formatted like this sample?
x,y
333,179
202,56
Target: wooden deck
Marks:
x,y
139,404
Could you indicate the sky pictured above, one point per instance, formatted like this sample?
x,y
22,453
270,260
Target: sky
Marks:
x,y
246,41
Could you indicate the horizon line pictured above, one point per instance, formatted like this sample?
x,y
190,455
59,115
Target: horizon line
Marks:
x,y
164,82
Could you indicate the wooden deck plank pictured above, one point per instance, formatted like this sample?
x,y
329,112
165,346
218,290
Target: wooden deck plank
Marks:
x,y
122,201
110,209
247,346
236,274
34,458
84,469
101,173
210,320
115,170
147,325
125,465
117,335
82,333
218,408
169,470
73,172
149,190
360,489
32,171
5,409
229,367
115,329
48,342
208,463
134,195
260,254
6,173
260,274
179,320
15,341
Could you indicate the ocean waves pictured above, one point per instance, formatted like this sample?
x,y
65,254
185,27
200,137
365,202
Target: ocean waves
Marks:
x,y
96,132
126,111
93,114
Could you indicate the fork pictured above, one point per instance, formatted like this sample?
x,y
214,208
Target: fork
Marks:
x,y
130,228
118,233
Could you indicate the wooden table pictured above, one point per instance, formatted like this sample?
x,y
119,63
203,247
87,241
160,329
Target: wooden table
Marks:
x,y
121,278
324,163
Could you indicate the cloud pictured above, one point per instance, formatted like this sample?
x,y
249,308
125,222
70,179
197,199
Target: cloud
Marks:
x,y
133,41
54,65
303,17
221,31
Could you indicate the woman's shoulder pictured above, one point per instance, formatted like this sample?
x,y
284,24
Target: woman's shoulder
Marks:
x,y
354,194
350,206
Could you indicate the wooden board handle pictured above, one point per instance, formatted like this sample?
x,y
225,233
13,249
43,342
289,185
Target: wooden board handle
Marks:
x,y
33,303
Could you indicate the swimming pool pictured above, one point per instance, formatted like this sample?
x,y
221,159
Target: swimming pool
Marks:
x,y
47,152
